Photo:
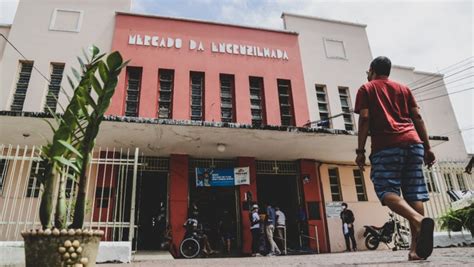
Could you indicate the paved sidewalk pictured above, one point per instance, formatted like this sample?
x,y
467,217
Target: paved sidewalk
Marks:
x,y
440,257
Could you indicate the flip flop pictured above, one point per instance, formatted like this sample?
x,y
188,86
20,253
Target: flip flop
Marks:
x,y
424,247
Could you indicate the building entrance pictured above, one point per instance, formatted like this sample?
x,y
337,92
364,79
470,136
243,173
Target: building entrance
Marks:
x,y
281,191
152,209
217,214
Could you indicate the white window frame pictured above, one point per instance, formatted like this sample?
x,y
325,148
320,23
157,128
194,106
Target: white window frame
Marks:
x,y
55,13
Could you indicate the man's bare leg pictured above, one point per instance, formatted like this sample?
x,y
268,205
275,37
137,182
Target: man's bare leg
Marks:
x,y
418,206
401,207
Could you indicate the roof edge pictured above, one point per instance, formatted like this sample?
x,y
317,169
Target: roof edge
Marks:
x,y
323,19
5,25
205,22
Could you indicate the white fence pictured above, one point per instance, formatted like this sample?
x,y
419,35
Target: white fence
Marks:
x,y
110,192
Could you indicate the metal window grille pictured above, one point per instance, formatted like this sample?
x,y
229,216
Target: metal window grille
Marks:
x,y
57,70
211,163
323,106
132,102
429,182
346,108
448,180
166,80
360,185
334,184
277,167
22,85
227,97
3,173
256,100
461,183
33,189
197,90
154,163
286,102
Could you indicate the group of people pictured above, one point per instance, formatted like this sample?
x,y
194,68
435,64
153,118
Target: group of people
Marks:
x,y
268,230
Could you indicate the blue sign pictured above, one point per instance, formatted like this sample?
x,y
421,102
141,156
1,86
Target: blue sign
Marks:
x,y
207,177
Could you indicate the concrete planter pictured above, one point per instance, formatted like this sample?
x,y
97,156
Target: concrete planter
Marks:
x,y
48,248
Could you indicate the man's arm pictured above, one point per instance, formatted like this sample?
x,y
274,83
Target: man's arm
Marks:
x,y
362,137
423,134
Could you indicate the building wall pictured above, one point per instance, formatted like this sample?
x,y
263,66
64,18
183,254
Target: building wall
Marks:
x,y
183,60
321,68
369,212
438,113
4,30
44,45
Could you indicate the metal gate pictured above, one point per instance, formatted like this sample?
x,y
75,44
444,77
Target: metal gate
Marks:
x,y
110,192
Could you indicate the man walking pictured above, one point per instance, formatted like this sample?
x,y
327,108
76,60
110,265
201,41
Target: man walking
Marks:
x,y
280,228
269,229
347,217
400,144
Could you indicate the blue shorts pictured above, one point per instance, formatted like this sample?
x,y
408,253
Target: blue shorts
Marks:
x,y
399,168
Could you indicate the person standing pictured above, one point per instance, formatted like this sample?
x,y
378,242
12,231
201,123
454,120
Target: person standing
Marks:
x,y
347,217
400,145
280,227
269,229
255,229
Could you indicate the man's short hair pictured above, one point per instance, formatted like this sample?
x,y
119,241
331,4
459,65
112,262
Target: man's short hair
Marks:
x,y
344,204
381,66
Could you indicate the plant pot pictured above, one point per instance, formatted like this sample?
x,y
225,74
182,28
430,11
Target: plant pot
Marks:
x,y
48,248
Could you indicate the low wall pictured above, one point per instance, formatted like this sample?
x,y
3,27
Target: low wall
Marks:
x,y
13,255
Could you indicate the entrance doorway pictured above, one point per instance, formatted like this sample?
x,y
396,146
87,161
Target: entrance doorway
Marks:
x,y
281,191
152,209
217,205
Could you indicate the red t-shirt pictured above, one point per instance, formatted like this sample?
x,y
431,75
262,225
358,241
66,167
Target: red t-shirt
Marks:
x,y
389,105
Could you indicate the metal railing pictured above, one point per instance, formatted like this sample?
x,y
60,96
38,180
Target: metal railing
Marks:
x,y
446,182
110,192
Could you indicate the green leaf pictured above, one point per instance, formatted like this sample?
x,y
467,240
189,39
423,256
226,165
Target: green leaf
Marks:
x,y
50,125
97,87
103,72
76,74
95,51
71,148
71,83
114,60
66,162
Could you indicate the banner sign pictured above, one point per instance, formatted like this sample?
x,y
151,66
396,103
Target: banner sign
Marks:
x,y
207,177
333,209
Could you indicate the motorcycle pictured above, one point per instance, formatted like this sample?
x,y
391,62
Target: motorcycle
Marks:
x,y
390,231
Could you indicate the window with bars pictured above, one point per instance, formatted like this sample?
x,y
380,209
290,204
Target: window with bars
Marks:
x,y
197,95
335,184
227,97
3,173
286,102
22,85
449,182
360,185
257,101
323,106
346,108
132,102
34,186
430,183
166,81
57,70
459,177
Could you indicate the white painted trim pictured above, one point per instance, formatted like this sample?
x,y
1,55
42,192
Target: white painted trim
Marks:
x,y
53,20
334,40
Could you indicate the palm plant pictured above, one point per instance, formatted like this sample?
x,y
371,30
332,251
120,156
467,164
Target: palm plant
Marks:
x,y
74,136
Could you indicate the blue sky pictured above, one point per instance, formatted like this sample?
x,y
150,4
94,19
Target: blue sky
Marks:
x,y
428,35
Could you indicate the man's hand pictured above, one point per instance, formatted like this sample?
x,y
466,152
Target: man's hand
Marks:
x,y
360,161
429,158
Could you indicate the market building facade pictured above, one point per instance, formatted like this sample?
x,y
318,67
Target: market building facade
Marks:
x,y
201,96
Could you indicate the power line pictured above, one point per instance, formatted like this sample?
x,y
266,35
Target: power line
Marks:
x,y
452,93
444,70
440,79
444,84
